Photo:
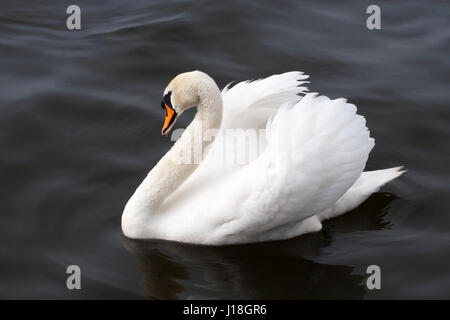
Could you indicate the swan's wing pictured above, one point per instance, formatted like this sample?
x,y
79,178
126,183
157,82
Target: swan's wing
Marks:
x,y
317,149
246,105
250,104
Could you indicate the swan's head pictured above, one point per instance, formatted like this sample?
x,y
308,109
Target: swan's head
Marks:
x,y
181,94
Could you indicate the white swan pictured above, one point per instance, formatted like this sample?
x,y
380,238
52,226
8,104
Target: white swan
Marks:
x,y
309,166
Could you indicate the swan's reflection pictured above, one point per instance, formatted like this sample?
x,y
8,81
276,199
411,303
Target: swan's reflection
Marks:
x,y
275,270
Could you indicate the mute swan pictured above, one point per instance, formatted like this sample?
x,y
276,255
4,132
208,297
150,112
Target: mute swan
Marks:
x,y
309,166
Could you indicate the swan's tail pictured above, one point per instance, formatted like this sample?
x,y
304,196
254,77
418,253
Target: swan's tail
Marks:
x,y
368,183
372,181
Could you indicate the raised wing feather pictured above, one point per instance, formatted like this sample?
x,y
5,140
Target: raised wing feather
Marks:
x,y
249,104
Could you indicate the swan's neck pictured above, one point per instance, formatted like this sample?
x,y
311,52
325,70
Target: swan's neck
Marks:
x,y
171,171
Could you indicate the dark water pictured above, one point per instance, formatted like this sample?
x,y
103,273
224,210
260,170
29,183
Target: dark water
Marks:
x,y
80,128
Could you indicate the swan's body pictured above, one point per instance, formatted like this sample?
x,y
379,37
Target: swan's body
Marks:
x,y
309,166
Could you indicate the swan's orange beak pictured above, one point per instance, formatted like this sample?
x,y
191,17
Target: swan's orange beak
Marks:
x,y
169,120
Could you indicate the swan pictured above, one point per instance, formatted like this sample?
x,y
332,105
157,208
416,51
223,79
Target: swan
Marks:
x,y
308,166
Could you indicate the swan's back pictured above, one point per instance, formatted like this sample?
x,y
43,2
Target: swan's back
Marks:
x,y
316,150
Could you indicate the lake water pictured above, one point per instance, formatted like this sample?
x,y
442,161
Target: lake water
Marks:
x,y
80,128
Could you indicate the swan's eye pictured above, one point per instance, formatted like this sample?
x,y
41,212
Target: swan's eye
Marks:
x,y
166,100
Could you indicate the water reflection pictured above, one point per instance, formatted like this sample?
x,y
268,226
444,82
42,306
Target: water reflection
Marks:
x,y
274,270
